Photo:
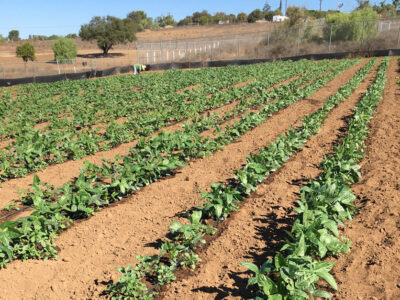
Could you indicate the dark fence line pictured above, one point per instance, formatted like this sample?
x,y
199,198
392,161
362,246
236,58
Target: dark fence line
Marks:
x,y
186,65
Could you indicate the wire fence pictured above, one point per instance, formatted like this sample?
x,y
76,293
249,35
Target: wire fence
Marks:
x,y
361,36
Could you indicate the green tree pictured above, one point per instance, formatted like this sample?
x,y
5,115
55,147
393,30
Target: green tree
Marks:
x,y
352,27
2,38
186,21
167,20
140,18
219,16
64,48
385,10
242,17
232,18
108,32
26,51
71,36
362,4
269,15
137,16
255,15
296,16
205,20
202,18
52,37
13,35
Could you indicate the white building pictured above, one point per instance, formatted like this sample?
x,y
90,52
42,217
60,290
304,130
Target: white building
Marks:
x,y
279,18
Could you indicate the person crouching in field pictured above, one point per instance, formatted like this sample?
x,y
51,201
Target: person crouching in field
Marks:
x,y
138,68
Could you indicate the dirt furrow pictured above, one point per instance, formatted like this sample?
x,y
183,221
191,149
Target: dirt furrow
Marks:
x,y
256,231
58,174
372,269
92,249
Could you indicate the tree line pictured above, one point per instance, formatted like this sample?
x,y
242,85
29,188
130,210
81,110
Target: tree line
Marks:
x,y
108,31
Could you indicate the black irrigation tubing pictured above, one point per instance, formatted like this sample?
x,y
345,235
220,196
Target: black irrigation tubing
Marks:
x,y
16,212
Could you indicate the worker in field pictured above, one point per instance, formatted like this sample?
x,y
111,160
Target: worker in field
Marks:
x,y
138,68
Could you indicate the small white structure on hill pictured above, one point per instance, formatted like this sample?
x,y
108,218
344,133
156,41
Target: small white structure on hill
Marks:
x,y
279,18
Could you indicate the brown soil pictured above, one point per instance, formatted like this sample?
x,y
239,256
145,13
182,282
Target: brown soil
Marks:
x,y
372,269
191,87
92,249
5,143
257,231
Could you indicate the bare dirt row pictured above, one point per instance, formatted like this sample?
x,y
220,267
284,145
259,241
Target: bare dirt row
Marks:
x,y
92,249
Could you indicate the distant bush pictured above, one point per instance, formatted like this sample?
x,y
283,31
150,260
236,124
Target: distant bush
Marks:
x,y
26,51
64,48
71,36
255,15
13,36
349,27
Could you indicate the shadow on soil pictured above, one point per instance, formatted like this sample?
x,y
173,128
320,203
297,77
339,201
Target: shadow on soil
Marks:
x,y
100,55
272,229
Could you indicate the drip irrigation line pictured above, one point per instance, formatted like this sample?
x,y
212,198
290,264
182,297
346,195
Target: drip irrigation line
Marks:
x,y
16,212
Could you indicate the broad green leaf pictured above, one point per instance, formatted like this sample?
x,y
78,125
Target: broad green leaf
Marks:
x,y
322,294
329,279
252,267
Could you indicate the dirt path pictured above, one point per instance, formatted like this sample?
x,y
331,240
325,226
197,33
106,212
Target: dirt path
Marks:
x,y
256,231
92,249
372,269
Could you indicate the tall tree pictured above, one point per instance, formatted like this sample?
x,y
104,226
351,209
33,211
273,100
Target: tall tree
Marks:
x,y
109,31
137,16
296,15
13,35
242,17
167,20
255,15
362,4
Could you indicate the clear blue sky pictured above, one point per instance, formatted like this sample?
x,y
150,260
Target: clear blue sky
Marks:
x,y
48,17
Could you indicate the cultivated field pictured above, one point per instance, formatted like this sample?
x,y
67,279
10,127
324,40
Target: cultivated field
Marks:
x,y
275,179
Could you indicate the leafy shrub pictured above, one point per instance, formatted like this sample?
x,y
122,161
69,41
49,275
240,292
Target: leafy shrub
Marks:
x,y
64,49
26,51
349,27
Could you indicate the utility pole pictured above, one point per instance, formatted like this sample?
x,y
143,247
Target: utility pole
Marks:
x,y
320,5
286,7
